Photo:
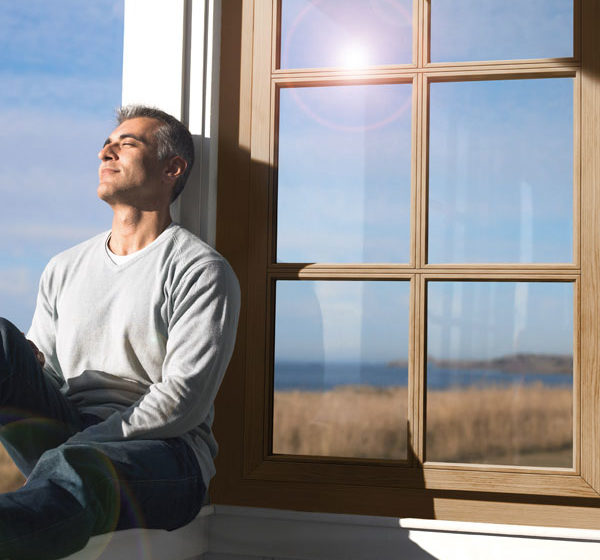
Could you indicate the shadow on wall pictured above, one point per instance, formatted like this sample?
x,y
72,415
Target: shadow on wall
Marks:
x,y
233,485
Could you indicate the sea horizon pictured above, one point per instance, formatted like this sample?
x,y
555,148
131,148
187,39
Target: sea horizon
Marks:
x,y
315,376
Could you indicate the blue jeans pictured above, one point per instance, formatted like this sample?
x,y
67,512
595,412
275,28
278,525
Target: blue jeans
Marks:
x,y
73,490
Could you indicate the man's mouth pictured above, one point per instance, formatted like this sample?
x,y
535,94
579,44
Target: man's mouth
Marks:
x,y
108,171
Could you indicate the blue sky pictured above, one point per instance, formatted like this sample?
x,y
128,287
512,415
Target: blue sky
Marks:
x,y
332,143
327,33
368,322
342,321
344,162
492,30
500,181
501,171
60,69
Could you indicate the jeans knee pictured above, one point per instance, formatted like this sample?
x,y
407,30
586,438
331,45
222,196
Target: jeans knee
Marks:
x,y
12,341
89,476
7,328
7,335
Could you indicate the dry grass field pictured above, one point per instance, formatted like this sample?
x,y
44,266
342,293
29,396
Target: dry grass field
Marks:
x,y
515,426
524,425
348,421
10,477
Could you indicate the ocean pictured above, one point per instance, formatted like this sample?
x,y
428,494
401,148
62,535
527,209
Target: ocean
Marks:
x,y
312,376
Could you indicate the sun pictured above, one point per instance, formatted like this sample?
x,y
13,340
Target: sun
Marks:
x,y
354,56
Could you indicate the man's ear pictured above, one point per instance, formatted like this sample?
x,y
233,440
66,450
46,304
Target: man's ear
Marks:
x,y
176,167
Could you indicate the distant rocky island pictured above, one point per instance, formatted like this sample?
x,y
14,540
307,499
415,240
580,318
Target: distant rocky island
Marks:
x,y
512,363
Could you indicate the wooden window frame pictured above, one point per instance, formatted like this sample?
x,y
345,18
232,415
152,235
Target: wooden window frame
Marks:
x,y
248,474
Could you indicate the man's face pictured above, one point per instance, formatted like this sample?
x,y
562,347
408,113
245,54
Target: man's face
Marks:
x,y
130,171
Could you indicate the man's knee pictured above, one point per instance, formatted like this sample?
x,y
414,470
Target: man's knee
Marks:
x,y
79,462
14,347
88,475
8,336
84,459
7,329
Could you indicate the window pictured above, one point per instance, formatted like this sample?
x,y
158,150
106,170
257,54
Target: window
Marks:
x,y
419,336
61,77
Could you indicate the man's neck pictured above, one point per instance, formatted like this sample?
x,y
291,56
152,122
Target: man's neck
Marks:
x,y
134,229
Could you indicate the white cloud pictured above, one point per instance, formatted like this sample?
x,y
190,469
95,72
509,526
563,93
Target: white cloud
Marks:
x,y
48,179
16,281
60,78
47,231
48,153
67,35
54,92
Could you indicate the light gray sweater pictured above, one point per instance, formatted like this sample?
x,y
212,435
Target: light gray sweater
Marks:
x,y
143,345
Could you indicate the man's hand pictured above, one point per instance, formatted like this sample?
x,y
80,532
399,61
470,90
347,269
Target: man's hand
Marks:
x,y
39,355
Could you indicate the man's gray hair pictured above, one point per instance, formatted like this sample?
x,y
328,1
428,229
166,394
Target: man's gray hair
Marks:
x,y
172,138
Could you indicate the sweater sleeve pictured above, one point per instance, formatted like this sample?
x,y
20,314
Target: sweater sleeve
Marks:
x,y
201,337
43,327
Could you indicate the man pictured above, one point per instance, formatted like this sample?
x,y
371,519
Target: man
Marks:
x,y
108,408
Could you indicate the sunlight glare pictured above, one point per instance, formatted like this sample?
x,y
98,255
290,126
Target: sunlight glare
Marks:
x,y
354,56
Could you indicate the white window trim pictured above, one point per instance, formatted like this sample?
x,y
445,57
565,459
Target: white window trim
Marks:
x,y
171,61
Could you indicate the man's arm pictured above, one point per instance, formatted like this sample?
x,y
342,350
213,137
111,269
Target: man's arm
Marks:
x,y
42,333
200,341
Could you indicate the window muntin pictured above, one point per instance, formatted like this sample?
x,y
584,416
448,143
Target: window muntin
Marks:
x,y
468,30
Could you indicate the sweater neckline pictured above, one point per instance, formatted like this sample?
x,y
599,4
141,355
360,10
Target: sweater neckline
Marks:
x,y
168,233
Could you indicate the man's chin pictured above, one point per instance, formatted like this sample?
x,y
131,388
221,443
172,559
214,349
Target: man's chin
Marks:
x,y
107,194
116,197
102,191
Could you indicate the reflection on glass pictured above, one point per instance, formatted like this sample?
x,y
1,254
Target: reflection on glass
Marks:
x,y
345,33
341,372
501,171
463,30
500,373
344,174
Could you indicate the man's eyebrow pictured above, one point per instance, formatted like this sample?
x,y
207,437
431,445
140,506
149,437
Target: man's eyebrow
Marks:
x,y
127,135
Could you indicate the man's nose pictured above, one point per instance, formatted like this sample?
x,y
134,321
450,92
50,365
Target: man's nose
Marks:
x,y
107,152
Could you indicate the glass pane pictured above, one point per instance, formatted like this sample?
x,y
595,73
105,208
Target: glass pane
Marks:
x,y
345,33
344,174
501,171
463,30
341,369
499,373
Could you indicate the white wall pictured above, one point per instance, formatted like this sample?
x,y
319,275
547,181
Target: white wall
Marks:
x,y
171,61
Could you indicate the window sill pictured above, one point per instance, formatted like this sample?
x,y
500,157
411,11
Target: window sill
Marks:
x,y
239,533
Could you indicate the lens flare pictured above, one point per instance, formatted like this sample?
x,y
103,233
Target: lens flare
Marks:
x,y
354,56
